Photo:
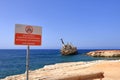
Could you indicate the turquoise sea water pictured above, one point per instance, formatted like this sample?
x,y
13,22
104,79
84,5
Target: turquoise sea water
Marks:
x,y
14,61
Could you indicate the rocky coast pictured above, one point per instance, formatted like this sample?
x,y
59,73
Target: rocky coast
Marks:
x,y
105,53
60,71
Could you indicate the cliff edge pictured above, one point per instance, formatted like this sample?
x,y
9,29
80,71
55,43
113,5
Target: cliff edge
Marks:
x,y
73,71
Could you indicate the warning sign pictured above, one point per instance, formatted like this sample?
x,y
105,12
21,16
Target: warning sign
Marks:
x,y
28,35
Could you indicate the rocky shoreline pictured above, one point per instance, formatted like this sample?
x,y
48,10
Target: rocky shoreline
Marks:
x,y
105,53
65,70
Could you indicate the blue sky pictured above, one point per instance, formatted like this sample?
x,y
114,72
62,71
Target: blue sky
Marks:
x,y
88,24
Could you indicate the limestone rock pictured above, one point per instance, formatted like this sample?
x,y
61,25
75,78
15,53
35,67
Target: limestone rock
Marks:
x,y
105,53
73,71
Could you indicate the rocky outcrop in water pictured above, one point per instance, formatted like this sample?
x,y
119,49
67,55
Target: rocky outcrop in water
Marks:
x,y
105,53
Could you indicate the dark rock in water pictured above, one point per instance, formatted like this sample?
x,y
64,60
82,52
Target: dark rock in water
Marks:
x,y
68,49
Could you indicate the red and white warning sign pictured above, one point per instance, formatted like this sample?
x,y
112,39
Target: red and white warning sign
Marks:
x,y
28,35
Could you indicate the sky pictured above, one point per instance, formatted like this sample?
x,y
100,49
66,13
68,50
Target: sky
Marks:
x,y
87,24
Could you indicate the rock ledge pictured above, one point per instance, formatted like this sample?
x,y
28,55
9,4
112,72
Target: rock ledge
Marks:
x,y
105,53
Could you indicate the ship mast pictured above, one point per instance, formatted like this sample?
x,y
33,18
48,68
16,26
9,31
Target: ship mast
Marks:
x,y
62,41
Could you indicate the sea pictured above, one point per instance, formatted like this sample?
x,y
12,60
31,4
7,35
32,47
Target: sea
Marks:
x,y
13,61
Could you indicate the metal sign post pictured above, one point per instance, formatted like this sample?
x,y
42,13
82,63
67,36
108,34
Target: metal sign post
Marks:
x,y
27,62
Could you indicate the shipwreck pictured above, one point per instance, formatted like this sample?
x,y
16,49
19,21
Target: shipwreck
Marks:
x,y
68,49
